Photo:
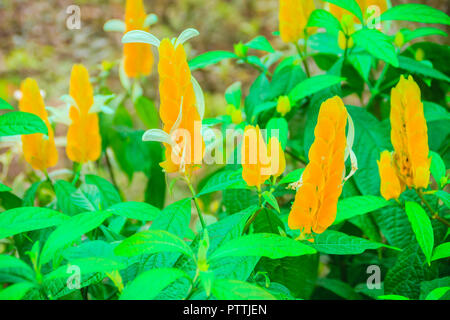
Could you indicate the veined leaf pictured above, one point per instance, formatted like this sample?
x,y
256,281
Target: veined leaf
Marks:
x,y
260,43
25,219
262,245
421,226
441,251
349,5
323,19
358,205
14,270
270,198
377,44
292,176
135,210
17,122
437,168
417,13
421,68
209,58
16,291
437,293
312,85
225,289
224,179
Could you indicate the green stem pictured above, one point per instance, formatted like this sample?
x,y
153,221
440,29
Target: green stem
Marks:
x,y
434,214
303,58
194,197
77,173
376,89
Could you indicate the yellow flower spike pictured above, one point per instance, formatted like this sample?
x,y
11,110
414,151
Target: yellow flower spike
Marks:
x,y
315,204
390,187
293,17
278,164
236,116
256,166
179,99
138,57
39,151
283,105
343,42
409,134
83,136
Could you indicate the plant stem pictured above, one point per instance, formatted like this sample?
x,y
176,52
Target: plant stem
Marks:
x,y
434,214
77,173
376,89
303,58
250,221
194,197
110,169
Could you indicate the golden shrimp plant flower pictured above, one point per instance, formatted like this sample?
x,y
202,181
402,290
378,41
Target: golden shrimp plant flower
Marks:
x,y
83,136
391,187
39,150
293,18
182,104
315,204
138,57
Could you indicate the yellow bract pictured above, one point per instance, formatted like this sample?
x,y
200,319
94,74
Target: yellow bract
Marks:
x,y
315,203
177,96
283,105
391,187
278,164
138,57
293,17
83,137
39,151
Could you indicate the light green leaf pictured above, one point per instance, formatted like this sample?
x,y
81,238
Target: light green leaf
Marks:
x,y
260,43
324,19
25,219
5,105
441,251
16,291
70,231
270,198
4,188
279,126
392,297
233,94
415,12
135,210
421,32
225,289
17,122
292,176
349,5
148,284
224,179
262,245
334,242
377,44
437,167
152,241
421,68
444,196
421,226
312,85
358,205
209,58
14,270
437,293
147,112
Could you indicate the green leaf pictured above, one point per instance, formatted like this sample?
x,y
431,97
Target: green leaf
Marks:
x,y
233,94
421,32
427,286
421,68
441,251
437,167
437,293
260,43
270,198
324,19
17,122
286,76
349,5
261,245
4,188
209,58
312,85
421,226
292,176
14,270
224,179
416,13
358,205
392,297
70,231
25,219
148,284
334,242
135,210
65,203
279,126
444,196
340,288
226,289
5,105
377,44
108,192
16,291
152,241
147,112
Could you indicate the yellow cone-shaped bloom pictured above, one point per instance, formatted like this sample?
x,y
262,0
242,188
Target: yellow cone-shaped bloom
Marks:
x,y
175,90
256,165
390,187
278,160
138,57
83,137
316,200
39,151
409,134
293,17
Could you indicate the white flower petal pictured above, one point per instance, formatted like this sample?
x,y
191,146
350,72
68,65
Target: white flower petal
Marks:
x,y
186,35
150,19
157,135
199,97
140,36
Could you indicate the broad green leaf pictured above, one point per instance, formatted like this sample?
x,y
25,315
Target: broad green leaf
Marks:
x,y
278,127
147,112
349,5
14,270
70,231
25,219
416,13
377,44
427,286
444,196
312,85
135,210
340,288
5,105
334,242
421,68
64,191
437,293
148,284
392,297
108,192
4,188
226,289
16,291
421,32
233,94
224,179
17,122
209,58
358,205
152,241
421,225
86,266
261,245
260,43
286,76
292,176
441,251
324,19
437,168
270,198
